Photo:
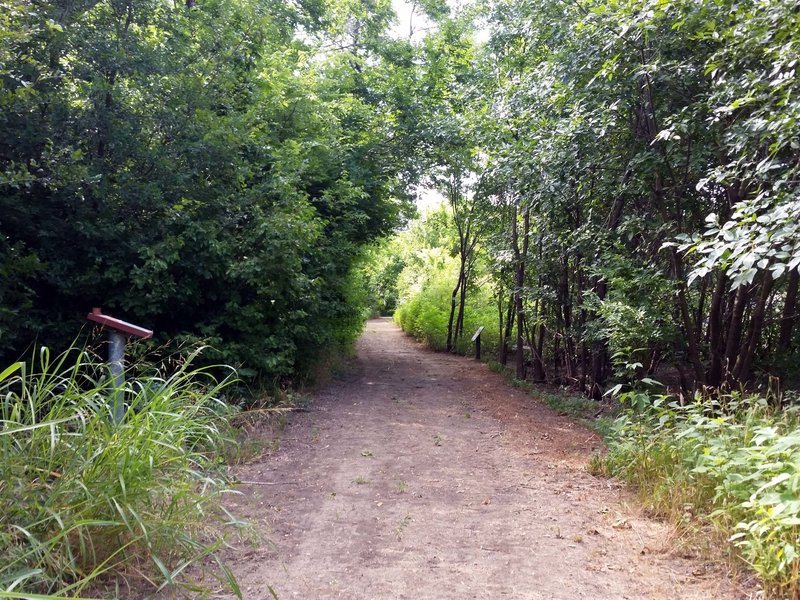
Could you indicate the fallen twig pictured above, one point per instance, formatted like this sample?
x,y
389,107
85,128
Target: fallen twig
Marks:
x,y
268,482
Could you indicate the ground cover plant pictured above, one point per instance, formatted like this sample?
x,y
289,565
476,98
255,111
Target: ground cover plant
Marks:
x,y
87,502
730,464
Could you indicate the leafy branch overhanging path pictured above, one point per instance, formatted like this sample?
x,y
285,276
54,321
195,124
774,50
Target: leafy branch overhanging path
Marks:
x,y
424,475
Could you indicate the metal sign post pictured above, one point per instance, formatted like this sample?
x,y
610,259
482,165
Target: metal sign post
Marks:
x,y
118,332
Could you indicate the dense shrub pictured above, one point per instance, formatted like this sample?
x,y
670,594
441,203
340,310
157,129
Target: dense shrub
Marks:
x,y
424,315
185,166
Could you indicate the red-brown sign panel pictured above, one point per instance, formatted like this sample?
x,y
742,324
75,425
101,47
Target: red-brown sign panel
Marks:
x,y
118,325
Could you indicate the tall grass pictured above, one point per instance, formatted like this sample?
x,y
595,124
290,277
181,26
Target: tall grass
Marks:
x,y
733,464
86,502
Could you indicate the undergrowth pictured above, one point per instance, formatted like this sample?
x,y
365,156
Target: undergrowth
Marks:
x,y
733,463
86,503
567,403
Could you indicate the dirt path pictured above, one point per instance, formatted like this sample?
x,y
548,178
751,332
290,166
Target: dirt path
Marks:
x,y
425,476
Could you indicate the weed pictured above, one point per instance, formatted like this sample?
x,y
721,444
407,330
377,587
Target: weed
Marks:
x,y
401,487
437,440
82,497
732,463
598,466
577,407
361,480
401,526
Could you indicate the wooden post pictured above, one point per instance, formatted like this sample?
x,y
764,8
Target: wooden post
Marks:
x,y
477,339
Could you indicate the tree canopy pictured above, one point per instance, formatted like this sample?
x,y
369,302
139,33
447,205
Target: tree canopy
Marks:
x,y
639,163
622,176
208,169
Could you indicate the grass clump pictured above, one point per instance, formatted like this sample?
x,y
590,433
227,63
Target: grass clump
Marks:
x,y
733,464
87,502
577,407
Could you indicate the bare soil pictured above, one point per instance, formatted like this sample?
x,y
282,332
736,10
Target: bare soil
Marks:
x,y
426,476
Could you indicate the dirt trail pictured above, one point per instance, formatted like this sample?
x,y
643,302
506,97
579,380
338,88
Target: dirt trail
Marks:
x,y
425,476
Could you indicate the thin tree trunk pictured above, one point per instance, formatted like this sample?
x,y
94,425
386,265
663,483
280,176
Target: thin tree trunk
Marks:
x,y
715,337
584,362
686,316
566,319
539,375
735,331
743,368
501,331
519,281
698,319
461,304
789,315
599,352
449,343
508,331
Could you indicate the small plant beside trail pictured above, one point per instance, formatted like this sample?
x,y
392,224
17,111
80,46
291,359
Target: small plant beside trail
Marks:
x,y
731,463
86,502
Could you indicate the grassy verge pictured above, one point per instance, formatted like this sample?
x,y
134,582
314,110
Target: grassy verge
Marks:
x,y
85,502
733,465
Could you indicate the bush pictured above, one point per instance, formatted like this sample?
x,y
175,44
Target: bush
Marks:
x,y
424,314
83,500
734,464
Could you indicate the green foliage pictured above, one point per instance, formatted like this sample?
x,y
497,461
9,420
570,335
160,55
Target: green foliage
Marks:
x,y
634,318
754,101
380,269
425,287
733,464
424,314
577,407
196,168
83,500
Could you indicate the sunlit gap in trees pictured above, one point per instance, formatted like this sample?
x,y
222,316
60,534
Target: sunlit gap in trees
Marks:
x,y
428,199
413,24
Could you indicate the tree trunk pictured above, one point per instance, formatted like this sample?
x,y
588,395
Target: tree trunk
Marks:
x,y
500,328
735,331
701,305
686,316
459,333
449,343
743,368
509,328
566,319
789,315
715,336
539,375
519,281
599,352
584,361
